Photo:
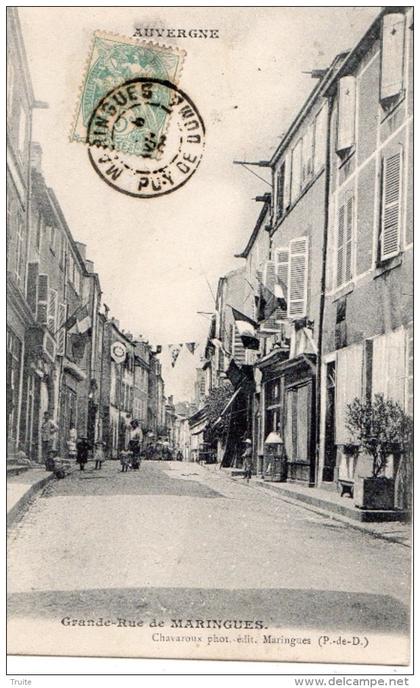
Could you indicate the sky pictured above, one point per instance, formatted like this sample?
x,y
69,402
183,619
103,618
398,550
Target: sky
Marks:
x,y
159,259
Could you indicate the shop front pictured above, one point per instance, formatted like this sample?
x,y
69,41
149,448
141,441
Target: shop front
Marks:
x,y
287,407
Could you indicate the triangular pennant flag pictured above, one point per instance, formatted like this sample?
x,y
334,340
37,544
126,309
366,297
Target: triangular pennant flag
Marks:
x,y
191,347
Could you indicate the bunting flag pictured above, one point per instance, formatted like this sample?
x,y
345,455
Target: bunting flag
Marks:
x,y
174,350
247,329
191,346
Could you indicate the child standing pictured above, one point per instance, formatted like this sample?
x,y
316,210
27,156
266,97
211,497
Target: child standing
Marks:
x,y
125,461
99,454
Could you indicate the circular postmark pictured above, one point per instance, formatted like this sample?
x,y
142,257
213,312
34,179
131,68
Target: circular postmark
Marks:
x,y
145,138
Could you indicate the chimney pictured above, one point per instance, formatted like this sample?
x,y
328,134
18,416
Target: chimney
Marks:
x,y
90,265
36,156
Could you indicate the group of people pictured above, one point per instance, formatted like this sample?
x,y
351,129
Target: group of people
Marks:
x,y
79,448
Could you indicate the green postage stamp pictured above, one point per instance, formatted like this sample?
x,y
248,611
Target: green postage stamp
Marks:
x,y
114,60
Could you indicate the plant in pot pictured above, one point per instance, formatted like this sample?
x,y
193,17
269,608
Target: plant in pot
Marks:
x,y
381,428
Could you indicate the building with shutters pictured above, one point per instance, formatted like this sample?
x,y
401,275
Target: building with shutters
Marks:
x,y
20,103
287,283
367,345
141,382
117,387
63,354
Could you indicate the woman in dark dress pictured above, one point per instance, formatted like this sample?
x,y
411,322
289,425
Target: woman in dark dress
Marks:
x,y
83,447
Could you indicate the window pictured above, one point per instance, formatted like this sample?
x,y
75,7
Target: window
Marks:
x,y
53,238
346,114
297,277
392,57
390,216
344,272
272,407
20,251
307,154
282,271
70,268
280,190
76,282
61,335
296,170
38,237
62,251
320,139
14,354
52,311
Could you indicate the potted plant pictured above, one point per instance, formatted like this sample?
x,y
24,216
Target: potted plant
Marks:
x,y
381,428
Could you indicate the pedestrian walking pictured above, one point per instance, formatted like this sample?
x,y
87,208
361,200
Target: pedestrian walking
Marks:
x,y
125,461
49,435
179,456
83,447
134,443
247,461
72,443
99,454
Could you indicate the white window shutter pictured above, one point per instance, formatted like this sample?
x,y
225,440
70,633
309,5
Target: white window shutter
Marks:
x,y
392,55
61,336
296,170
287,180
43,296
298,276
52,311
391,193
346,113
282,266
340,246
349,240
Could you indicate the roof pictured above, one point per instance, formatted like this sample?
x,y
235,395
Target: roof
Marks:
x,y
318,91
356,54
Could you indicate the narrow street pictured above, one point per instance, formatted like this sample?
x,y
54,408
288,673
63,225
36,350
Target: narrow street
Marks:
x,y
177,540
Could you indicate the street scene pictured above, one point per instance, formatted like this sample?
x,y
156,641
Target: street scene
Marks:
x,y
210,334
154,542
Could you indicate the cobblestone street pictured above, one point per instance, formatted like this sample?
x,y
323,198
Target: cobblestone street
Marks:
x,y
176,540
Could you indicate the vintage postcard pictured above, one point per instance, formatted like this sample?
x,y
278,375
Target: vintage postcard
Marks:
x,y
210,333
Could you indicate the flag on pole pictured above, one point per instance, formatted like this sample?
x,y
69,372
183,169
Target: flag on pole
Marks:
x,y
247,329
79,322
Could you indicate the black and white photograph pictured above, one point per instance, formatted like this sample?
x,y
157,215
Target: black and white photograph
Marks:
x,y
209,373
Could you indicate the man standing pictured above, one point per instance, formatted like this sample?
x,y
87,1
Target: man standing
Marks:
x,y
49,431
247,460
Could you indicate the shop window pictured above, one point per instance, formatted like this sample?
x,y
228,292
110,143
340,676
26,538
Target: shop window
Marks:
x,y
272,407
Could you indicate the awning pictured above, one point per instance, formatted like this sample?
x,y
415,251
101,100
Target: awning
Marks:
x,y
228,405
199,428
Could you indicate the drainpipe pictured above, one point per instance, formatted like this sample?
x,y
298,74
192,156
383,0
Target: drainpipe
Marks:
x,y
322,294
